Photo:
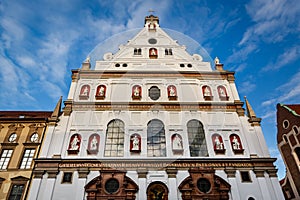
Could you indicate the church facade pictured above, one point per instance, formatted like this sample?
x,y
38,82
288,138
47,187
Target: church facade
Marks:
x,y
153,121
288,140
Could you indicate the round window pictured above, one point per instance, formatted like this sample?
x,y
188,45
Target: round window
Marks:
x,y
34,137
152,41
12,137
154,93
285,124
112,186
203,185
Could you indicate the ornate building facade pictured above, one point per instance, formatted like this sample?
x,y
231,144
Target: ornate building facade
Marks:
x,y
153,121
21,134
288,139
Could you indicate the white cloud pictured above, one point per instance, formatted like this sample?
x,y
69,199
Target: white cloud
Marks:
x,y
242,54
275,19
268,102
247,86
288,56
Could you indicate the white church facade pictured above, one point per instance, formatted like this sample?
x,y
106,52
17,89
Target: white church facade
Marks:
x,y
153,121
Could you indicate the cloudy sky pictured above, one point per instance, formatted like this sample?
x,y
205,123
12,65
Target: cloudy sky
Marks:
x,y
42,40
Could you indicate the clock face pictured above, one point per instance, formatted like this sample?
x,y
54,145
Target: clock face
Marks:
x,y
12,137
154,93
34,137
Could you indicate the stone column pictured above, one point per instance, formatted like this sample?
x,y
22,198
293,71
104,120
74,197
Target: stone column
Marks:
x,y
265,192
232,181
35,185
172,172
82,176
46,192
276,188
142,175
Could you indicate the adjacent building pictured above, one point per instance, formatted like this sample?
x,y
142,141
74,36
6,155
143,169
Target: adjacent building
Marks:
x,y
288,139
154,121
21,134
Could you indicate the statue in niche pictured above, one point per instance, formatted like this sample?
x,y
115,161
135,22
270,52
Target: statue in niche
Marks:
x,y
218,144
94,144
101,91
172,91
135,143
222,92
235,143
177,142
74,143
136,91
153,52
207,92
85,91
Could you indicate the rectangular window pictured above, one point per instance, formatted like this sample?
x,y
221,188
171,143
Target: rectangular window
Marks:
x,y
16,192
67,177
5,158
245,176
27,159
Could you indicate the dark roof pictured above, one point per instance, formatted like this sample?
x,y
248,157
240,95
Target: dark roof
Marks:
x,y
24,114
294,107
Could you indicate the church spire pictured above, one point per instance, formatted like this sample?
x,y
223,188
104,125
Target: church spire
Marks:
x,y
56,112
251,114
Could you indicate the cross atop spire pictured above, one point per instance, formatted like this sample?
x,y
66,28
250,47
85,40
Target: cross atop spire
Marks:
x,y
151,12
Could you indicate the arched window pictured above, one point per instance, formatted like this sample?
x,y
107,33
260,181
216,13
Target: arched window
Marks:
x,y
196,136
297,151
114,143
295,129
156,140
222,93
137,51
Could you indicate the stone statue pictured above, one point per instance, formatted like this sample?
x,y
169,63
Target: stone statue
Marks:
x,y
235,143
207,92
85,91
135,143
136,91
74,143
217,61
218,143
94,143
177,143
101,91
172,91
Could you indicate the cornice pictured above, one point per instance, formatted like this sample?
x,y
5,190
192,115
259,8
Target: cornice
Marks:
x,y
97,74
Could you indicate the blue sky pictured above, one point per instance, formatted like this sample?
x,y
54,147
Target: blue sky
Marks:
x,y
41,41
